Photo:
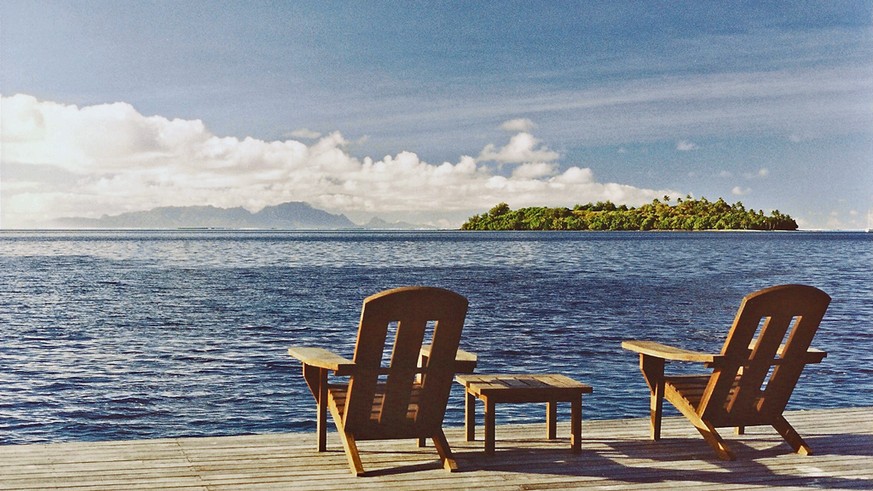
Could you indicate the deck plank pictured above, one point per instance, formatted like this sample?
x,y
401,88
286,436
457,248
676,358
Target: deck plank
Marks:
x,y
616,454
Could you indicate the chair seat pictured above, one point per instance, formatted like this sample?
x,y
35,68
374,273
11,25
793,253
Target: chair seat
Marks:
x,y
337,394
691,387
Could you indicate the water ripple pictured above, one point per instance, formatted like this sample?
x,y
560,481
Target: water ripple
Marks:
x,y
119,335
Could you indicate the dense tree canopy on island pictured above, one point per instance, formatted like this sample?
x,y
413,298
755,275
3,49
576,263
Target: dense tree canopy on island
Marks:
x,y
687,214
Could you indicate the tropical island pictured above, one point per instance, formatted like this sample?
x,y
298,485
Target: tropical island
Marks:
x,y
685,214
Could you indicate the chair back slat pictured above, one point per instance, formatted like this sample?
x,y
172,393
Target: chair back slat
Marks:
x,y
402,371
436,382
372,332
410,309
747,386
755,369
785,376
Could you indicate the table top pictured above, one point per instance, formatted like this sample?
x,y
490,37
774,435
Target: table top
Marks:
x,y
534,386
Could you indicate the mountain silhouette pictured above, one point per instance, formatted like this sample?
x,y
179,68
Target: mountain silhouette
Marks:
x,y
291,215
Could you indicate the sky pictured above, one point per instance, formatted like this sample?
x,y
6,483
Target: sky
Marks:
x,y
430,112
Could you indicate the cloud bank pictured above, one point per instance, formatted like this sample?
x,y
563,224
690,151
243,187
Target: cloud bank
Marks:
x,y
63,160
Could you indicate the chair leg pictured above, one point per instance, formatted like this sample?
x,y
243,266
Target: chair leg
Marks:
x,y
349,445
791,436
653,371
707,431
656,411
316,379
713,438
351,449
445,451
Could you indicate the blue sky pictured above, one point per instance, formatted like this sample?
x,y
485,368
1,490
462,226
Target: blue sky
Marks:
x,y
430,112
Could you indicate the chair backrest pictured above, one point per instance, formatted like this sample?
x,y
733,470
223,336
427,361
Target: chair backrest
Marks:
x,y
409,310
754,382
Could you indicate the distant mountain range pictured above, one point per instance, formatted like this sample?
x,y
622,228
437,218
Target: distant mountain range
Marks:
x,y
379,224
285,216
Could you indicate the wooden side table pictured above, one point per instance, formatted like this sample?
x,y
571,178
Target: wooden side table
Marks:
x,y
548,388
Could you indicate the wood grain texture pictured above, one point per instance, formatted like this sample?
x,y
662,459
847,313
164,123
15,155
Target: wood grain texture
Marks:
x,y
752,378
410,401
616,454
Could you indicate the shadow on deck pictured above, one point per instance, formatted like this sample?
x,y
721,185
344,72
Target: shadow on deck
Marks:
x,y
616,454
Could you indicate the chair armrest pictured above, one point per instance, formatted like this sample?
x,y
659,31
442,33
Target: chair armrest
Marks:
x,y
815,355
812,355
658,350
322,358
465,361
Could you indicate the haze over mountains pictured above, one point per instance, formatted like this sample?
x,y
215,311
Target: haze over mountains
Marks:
x,y
285,216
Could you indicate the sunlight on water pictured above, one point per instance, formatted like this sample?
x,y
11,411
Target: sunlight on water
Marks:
x,y
118,335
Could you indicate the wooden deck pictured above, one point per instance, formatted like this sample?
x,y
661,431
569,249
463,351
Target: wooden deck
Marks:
x,y
615,455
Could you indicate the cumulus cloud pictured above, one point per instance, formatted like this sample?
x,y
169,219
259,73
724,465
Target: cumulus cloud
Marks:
x,y
518,125
740,191
114,159
534,170
522,147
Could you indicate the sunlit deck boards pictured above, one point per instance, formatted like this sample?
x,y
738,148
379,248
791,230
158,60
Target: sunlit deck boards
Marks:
x,y
616,454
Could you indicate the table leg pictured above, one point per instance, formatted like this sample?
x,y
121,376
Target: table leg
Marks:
x,y
551,420
489,426
576,425
470,417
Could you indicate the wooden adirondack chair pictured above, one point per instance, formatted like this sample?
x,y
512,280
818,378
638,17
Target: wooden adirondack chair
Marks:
x,y
402,399
753,376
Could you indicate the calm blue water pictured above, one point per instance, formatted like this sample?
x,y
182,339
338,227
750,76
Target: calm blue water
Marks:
x,y
120,335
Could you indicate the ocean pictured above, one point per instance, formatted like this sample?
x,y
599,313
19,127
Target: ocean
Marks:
x,y
112,335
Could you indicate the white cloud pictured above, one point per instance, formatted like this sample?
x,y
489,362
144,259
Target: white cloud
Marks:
x,y
761,173
518,125
685,146
575,175
523,147
305,133
534,170
115,160
740,191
